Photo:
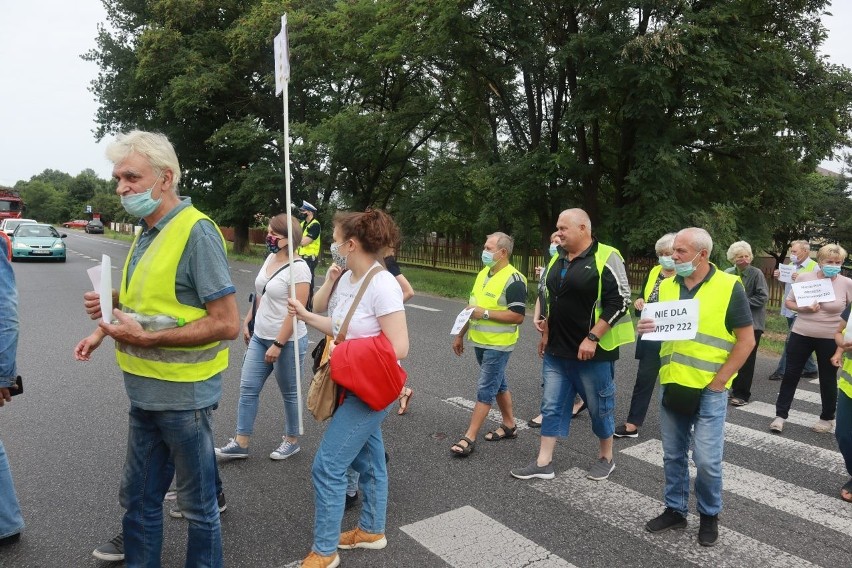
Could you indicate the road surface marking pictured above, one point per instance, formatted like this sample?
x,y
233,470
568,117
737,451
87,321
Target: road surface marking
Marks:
x,y
785,448
419,307
493,415
768,410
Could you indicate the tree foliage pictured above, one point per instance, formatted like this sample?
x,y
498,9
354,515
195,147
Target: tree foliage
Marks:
x,y
468,117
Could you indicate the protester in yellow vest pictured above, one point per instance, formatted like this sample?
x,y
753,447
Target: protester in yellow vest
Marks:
x,y
587,295
309,248
843,425
177,272
498,300
695,375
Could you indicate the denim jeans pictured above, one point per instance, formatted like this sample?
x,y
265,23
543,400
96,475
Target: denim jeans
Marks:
x,y
187,437
353,437
810,366
799,348
705,431
842,431
11,521
741,387
8,320
646,380
492,373
254,375
563,378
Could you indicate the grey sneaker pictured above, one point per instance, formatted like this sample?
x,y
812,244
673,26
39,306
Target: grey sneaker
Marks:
x,y
285,450
232,450
176,513
534,470
113,551
601,469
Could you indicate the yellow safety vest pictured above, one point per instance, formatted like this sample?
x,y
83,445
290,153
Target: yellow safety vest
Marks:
x,y
312,249
844,378
694,362
652,279
622,332
151,291
489,294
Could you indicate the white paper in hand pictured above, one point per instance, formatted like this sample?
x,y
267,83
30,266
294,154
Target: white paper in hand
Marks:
x,y
672,320
105,289
461,319
785,273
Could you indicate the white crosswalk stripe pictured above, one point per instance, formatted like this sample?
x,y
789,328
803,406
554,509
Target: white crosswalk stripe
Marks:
x,y
768,410
629,510
486,542
792,450
493,415
799,501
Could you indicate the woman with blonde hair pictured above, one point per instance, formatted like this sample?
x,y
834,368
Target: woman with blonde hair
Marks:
x,y
813,332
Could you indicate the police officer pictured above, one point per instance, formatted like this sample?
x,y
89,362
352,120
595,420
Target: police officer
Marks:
x,y
309,248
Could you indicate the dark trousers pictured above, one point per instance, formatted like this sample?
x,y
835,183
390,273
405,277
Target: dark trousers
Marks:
x,y
312,262
646,380
843,431
799,348
741,388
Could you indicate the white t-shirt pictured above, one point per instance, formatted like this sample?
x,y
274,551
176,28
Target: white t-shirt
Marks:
x,y
383,296
272,308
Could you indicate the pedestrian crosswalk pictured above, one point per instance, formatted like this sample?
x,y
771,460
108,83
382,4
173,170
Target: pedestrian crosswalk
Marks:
x,y
616,503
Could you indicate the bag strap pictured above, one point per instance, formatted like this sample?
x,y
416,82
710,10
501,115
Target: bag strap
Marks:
x,y
341,335
276,274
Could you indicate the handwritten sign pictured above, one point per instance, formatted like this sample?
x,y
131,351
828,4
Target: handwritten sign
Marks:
x,y
672,320
813,291
461,319
785,272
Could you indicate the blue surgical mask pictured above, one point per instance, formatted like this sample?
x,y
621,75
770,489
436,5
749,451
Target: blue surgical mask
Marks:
x,y
794,259
141,204
488,258
553,248
685,269
830,270
272,244
667,262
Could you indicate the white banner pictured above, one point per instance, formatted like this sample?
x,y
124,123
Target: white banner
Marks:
x,y
813,291
282,57
672,320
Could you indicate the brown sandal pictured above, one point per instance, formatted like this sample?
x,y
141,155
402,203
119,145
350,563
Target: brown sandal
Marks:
x,y
404,399
465,450
508,433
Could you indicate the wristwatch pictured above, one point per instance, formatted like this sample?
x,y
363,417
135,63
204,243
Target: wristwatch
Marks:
x,y
486,315
593,337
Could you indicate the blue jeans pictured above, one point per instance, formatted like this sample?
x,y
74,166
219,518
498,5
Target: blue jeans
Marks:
x,y
709,439
563,378
254,375
11,521
353,437
187,437
492,373
842,430
810,366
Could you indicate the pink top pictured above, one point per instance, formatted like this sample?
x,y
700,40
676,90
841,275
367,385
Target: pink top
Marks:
x,y
823,323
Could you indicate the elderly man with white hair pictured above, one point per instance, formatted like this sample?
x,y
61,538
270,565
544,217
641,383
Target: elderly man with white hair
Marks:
x,y
694,377
757,292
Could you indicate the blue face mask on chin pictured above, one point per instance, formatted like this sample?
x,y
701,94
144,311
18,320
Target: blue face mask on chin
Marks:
x,y
830,270
685,269
142,204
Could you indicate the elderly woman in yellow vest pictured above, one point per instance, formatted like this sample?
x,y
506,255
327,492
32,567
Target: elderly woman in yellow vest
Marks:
x,y
843,432
647,352
813,332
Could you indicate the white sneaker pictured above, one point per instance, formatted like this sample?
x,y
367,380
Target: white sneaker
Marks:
x,y
777,425
823,426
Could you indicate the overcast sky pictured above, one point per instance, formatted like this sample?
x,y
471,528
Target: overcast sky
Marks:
x,y
47,112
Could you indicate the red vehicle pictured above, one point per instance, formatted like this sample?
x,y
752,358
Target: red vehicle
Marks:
x,y
76,224
11,204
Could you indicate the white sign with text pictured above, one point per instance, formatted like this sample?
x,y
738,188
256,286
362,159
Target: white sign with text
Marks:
x,y
672,320
461,319
813,291
785,273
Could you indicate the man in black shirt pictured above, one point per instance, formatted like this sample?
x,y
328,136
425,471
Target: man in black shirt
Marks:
x,y
587,293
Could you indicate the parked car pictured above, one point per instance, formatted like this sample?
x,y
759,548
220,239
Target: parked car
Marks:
x,y
8,225
76,224
95,226
37,240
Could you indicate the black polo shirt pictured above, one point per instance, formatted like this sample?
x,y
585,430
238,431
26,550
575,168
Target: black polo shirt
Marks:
x,y
573,290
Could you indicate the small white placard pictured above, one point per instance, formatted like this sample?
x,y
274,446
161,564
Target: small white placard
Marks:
x,y
785,272
106,289
813,291
672,320
461,319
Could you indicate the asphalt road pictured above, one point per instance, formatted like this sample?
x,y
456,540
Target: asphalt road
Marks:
x,y
66,435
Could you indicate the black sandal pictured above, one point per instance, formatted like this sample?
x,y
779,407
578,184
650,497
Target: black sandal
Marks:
x,y
848,489
508,433
466,450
